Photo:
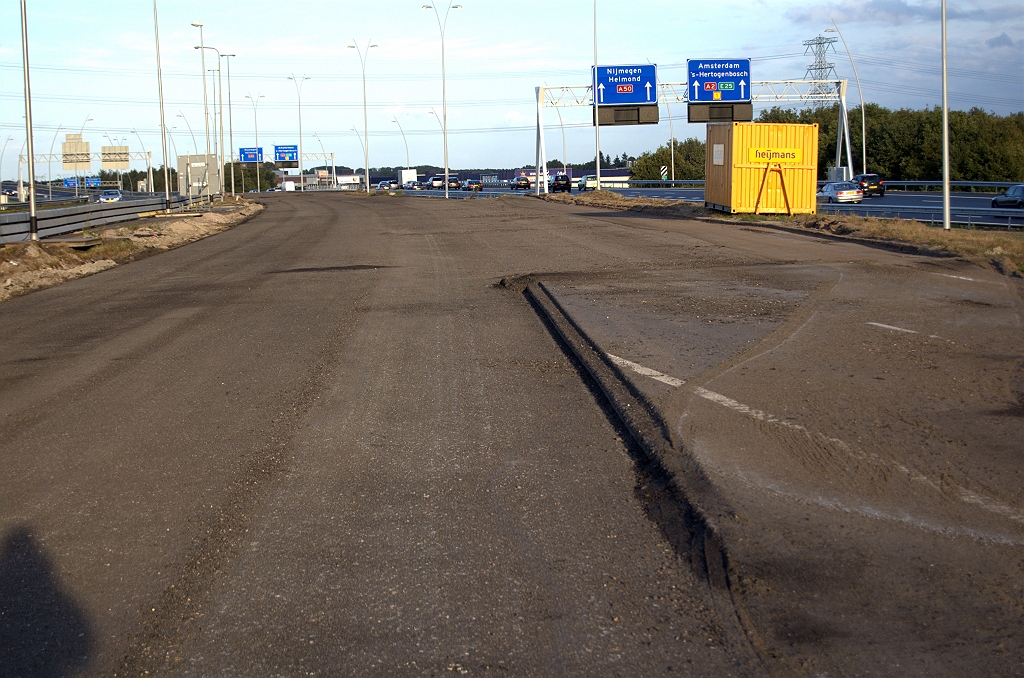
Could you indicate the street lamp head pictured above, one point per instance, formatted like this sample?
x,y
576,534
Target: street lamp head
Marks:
x,y
456,6
351,46
372,46
830,30
428,7
197,24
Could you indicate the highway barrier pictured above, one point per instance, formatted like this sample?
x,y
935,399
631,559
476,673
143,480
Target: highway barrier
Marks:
x,y
961,216
14,226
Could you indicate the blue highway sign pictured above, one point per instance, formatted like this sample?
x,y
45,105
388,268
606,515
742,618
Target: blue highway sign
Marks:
x,y
712,80
625,85
286,153
71,183
250,155
92,182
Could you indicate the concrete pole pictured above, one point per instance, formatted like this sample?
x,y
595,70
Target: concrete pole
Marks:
x,y
597,118
33,226
231,128
206,109
163,124
945,128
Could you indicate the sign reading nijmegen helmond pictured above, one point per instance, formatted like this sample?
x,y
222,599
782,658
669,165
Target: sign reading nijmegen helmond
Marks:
x,y
624,85
712,80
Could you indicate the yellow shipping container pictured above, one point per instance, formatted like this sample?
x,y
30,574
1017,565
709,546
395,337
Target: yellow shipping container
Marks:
x,y
762,168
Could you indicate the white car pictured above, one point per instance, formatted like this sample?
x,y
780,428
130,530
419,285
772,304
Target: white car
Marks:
x,y
112,195
588,181
843,191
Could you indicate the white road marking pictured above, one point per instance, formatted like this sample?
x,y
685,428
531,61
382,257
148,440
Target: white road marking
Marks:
x,y
958,277
1010,512
893,327
966,495
744,409
646,371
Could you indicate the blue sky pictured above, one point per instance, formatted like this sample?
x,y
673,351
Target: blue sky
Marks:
x,y
96,60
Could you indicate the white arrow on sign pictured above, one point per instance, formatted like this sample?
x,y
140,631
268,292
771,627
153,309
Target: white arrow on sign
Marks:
x,y
600,89
648,86
743,86
695,90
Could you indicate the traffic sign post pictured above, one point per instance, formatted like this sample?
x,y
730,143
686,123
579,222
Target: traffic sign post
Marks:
x,y
71,182
718,90
625,85
625,95
92,182
250,155
714,80
286,157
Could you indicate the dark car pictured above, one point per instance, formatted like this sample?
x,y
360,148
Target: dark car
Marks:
x,y
519,183
472,185
453,181
871,184
1011,197
561,182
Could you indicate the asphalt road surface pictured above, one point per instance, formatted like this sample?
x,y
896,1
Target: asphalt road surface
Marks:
x,y
340,439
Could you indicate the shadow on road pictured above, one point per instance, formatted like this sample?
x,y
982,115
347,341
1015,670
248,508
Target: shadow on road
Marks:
x,y
43,631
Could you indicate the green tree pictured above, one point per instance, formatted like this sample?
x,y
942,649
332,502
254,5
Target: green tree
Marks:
x,y
689,157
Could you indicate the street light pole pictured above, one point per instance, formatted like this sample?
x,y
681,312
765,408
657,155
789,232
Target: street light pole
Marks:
x,y
255,101
298,92
218,105
395,120
195,145
444,86
163,124
206,109
81,131
149,165
366,174
49,164
597,117
366,146
945,128
860,93
231,127
564,153
33,224
324,151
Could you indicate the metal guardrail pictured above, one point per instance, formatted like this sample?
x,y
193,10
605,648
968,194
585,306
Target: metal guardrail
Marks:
x,y
966,216
14,227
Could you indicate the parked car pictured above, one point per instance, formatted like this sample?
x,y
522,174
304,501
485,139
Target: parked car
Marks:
x,y
587,182
453,181
1011,197
384,185
519,183
560,182
843,191
871,184
435,182
413,186
110,195
472,185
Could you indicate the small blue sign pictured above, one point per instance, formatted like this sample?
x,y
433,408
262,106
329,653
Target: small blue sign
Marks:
x,y
286,153
250,155
712,80
92,182
71,183
624,85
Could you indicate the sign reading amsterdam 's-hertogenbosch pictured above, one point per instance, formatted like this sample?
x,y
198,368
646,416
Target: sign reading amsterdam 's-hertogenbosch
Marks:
x,y
250,155
713,80
92,182
71,183
286,153
624,85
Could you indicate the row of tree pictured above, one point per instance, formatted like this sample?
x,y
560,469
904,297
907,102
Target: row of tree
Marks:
x,y
903,144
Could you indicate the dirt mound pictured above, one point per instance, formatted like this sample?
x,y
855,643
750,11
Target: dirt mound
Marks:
x,y
29,266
